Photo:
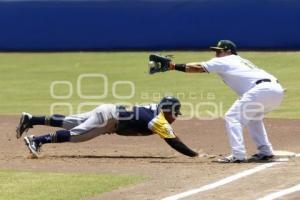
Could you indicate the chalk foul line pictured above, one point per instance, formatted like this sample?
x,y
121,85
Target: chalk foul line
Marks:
x,y
234,178
281,193
222,181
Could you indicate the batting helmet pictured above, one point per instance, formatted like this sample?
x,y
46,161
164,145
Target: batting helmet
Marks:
x,y
170,104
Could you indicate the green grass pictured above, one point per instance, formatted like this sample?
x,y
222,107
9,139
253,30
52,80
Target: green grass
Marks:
x,y
15,185
25,80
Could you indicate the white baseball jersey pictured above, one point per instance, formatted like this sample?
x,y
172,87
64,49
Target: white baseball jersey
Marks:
x,y
238,73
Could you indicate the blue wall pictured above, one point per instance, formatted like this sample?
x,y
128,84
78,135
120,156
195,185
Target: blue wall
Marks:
x,y
147,24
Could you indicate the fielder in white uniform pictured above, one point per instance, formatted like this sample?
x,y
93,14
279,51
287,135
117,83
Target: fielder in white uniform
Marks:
x,y
259,93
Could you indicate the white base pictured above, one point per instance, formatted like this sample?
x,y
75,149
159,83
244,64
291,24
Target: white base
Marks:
x,y
284,154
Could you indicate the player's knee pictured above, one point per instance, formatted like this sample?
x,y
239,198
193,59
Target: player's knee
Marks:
x,y
231,117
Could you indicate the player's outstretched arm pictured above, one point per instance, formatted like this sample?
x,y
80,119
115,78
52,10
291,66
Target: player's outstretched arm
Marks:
x,y
178,145
160,63
189,67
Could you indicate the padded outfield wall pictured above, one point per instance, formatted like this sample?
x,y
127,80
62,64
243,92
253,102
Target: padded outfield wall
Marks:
x,y
147,24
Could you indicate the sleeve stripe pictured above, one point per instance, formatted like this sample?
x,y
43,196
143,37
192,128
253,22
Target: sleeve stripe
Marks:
x,y
203,66
151,124
205,69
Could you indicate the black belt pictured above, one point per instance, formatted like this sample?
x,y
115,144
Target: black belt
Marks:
x,y
264,80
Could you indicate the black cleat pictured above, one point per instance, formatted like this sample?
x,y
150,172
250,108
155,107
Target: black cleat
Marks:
x,y
260,158
33,147
24,124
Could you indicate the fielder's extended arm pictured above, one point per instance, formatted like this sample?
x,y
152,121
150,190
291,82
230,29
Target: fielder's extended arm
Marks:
x,y
160,63
178,145
189,67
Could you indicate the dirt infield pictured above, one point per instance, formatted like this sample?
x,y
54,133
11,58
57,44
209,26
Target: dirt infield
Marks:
x,y
169,172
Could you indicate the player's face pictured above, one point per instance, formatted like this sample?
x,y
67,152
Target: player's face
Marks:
x,y
170,117
220,53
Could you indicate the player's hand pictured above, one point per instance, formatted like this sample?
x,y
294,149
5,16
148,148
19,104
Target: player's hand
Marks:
x,y
159,63
196,155
202,154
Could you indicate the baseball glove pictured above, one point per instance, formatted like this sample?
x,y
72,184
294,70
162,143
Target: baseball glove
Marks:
x,y
159,63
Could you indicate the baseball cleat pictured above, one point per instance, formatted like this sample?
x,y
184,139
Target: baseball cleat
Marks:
x,y
230,159
24,124
260,157
33,147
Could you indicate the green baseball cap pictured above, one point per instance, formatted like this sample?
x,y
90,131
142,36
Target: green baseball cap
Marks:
x,y
225,45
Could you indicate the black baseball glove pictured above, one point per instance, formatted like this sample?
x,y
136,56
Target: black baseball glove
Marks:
x,y
158,63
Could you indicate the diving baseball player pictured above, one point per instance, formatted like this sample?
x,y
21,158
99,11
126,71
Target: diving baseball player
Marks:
x,y
259,93
107,119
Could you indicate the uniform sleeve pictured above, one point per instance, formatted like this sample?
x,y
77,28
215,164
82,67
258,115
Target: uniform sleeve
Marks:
x,y
213,65
176,144
160,126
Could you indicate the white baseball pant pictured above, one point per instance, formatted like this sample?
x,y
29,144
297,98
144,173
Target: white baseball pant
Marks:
x,y
249,111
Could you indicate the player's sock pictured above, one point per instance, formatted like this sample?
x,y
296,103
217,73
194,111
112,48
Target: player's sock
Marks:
x,y
61,136
53,120
38,120
43,139
57,137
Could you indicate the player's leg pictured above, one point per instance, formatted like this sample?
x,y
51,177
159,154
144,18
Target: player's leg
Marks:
x,y
102,120
269,97
34,143
236,118
27,121
72,121
260,138
234,128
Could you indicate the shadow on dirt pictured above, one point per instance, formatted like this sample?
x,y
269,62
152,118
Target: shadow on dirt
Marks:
x,y
179,162
108,157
